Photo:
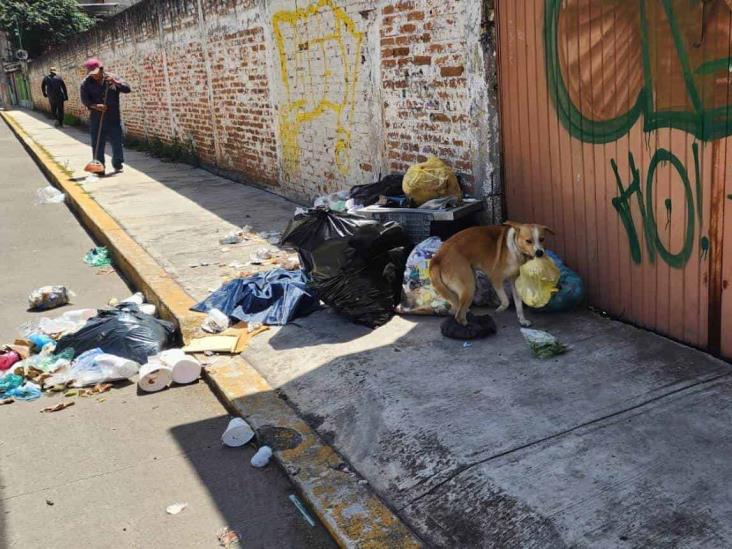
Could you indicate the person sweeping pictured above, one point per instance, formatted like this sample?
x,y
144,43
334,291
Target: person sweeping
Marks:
x,y
100,94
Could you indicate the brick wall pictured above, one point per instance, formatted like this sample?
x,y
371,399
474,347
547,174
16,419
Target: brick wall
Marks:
x,y
304,98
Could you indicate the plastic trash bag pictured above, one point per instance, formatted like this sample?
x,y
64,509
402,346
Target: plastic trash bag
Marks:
x,y
274,297
543,344
334,201
571,289
49,195
98,257
365,195
429,180
355,264
49,297
125,331
92,367
537,281
419,296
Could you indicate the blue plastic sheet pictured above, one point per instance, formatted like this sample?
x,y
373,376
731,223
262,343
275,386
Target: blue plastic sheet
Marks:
x,y
275,298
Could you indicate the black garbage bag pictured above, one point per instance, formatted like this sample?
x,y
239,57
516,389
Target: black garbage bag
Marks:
x,y
354,264
391,185
125,331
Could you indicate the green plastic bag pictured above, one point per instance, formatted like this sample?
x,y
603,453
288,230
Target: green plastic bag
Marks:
x,y
543,344
98,257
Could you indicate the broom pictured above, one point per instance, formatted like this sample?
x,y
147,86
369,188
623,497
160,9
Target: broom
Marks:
x,y
95,166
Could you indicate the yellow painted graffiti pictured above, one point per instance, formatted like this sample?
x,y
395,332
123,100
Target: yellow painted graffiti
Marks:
x,y
308,40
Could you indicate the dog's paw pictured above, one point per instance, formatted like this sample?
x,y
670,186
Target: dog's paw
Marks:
x,y
501,308
525,323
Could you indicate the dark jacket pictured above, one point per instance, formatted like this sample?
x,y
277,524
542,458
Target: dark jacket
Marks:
x,y
92,93
54,88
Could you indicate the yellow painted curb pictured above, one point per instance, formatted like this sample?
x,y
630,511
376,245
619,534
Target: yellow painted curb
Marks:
x,y
353,514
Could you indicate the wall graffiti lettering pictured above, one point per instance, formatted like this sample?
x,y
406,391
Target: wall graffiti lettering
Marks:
x,y
644,198
670,64
306,40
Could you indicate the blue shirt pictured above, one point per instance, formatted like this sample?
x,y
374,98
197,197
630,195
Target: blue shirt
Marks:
x,y
92,93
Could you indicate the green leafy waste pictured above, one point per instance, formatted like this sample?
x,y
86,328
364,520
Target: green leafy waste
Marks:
x,y
98,257
543,344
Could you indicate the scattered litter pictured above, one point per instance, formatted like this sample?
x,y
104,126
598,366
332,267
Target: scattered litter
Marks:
x,y
237,433
334,201
216,322
105,270
363,482
8,357
137,298
101,399
215,344
293,470
39,341
184,369
260,254
49,195
5,401
227,537
49,297
14,386
175,508
467,345
262,457
58,407
49,502
543,344
113,302
91,178
93,367
254,327
67,323
126,332
148,309
98,257
155,376
303,511
71,393
234,237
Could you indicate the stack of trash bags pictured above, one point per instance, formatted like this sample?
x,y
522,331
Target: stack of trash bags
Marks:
x,y
88,347
353,264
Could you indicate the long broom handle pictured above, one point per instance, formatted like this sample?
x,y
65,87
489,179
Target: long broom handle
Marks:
x,y
101,121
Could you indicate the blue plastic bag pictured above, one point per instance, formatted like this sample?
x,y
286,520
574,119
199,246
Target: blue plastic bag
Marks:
x,y
274,297
571,289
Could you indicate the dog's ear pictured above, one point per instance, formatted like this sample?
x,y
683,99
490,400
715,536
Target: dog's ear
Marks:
x,y
514,224
546,229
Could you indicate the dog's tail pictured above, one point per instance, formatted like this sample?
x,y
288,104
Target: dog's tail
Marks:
x,y
436,277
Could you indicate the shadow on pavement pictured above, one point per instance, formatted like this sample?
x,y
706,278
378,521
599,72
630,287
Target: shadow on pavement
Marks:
x,y
252,501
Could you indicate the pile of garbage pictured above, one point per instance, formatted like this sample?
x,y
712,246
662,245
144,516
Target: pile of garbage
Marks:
x,y
83,352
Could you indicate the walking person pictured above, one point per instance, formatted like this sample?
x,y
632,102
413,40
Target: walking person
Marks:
x,y
54,88
100,94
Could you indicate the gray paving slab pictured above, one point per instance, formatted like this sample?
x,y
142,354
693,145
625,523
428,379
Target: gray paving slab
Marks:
x,y
622,442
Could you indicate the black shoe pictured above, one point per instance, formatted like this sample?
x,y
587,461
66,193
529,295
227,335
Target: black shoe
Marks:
x,y
120,169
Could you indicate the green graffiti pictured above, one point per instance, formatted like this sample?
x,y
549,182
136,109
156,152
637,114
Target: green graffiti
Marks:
x,y
668,205
654,244
704,123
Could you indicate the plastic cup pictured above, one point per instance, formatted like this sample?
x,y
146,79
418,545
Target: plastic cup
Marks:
x,y
238,433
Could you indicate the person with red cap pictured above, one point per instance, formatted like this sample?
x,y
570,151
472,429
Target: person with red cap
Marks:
x,y
100,94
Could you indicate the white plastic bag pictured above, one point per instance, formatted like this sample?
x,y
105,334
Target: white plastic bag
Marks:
x,y
94,367
49,195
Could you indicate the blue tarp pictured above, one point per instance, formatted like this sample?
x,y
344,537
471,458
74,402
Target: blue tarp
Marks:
x,y
274,297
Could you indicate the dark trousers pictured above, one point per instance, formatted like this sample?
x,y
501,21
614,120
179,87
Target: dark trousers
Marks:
x,y
57,110
112,132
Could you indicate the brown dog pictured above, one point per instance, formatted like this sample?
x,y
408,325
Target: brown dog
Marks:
x,y
498,251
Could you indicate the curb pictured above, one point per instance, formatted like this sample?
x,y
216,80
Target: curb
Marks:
x,y
351,512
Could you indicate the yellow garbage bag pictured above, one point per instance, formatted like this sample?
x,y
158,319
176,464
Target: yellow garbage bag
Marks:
x,y
429,180
537,281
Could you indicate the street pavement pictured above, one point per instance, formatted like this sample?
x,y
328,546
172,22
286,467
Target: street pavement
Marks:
x,y
102,472
622,442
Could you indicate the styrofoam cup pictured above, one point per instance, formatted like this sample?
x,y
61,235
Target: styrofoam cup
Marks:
x,y
238,433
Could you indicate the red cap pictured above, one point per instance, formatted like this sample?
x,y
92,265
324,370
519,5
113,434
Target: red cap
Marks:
x,y
92,64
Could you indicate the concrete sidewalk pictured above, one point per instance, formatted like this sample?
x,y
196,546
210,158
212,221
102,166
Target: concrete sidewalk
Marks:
x,y
624,441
